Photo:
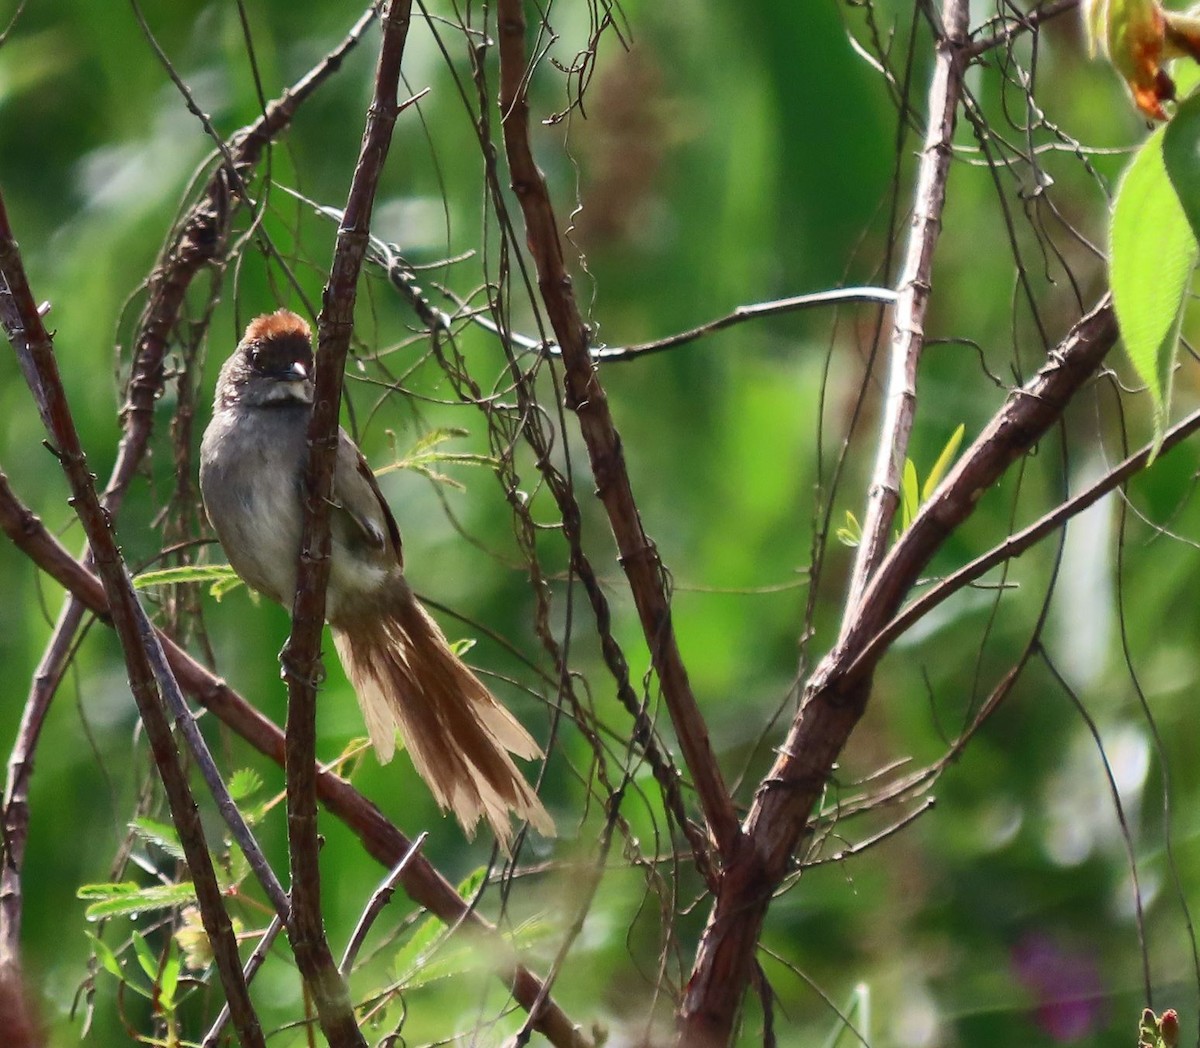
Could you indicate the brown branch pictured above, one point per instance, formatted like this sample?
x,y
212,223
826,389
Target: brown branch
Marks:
x,y
834,699
198,241
1018,543
383,841
586,397
46,679
913,289
302,653
31,341
1022,23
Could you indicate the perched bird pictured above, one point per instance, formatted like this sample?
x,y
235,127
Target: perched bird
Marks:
x,y
408,680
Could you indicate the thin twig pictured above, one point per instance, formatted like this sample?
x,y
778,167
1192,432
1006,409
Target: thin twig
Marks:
x,y
1026,22
869,842
30,339
585,395
1018,543
253,963
816,300
379,899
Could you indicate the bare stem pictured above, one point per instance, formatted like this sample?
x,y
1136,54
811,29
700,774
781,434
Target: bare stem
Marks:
x,y
912,299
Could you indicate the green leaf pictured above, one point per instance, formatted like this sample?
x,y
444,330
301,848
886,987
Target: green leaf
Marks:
x,y
187,574
222,586
145,956
415,963
161,834
1181,158
850,533
461,647
949,453
125,898
424,455
106,957
1152,252
168,981
910,495
244,783
471,884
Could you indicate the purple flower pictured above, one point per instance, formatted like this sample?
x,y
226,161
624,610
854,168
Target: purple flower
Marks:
x,y
1065,984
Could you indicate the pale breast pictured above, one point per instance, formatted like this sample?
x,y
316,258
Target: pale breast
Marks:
x,y
251,479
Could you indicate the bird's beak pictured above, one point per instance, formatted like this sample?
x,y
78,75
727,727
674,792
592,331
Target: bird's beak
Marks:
x,y
296,373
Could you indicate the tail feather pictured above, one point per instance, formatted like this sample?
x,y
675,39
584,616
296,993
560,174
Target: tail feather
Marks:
x,y
459,737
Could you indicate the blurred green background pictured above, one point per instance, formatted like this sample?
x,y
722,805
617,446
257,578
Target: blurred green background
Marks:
x,y
730,154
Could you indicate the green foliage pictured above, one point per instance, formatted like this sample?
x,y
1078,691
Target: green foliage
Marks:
x,y
425,455
128,898
913,493
1153,255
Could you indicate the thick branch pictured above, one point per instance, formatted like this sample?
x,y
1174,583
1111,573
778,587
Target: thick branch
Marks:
x,y
834,699
302,653
586,397
31,341
383,841
908,317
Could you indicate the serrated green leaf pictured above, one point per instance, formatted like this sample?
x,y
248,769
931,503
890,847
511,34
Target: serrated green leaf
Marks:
x,y
239,865
414,964
422,941
424,455
910,495
104,954
189,573
1152,253
244,783
949,453
114,900
161,834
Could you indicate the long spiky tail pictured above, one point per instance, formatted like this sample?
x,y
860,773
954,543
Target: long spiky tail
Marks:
x,y
459,737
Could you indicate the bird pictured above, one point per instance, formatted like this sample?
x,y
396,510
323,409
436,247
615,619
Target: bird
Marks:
x,y
408,680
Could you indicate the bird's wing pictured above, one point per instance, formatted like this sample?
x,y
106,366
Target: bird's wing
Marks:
x,y
356,492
